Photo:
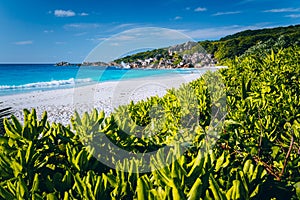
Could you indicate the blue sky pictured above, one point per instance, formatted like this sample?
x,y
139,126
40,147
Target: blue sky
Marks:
x,y
48,31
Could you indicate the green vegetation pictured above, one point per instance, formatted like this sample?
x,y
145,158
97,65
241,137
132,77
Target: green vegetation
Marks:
x,y
144,55
255,154
177,59
233,45
292,30
237,44
4,112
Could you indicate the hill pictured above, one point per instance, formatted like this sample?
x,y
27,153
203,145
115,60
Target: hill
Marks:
x,y
267,31
237,44
186,55
232,45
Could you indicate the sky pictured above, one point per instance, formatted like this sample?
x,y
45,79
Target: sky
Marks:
x,y
49,31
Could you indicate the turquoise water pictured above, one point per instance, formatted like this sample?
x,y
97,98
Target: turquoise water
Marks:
x,y
20,78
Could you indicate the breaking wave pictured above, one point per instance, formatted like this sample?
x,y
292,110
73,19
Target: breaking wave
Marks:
x,y
50,84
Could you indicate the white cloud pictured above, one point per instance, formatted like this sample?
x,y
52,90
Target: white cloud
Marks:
x,y
60,43
26,42
177,18
48,31
125,25
227,13
64,13
80,34
125,37
142,38
281,10
83,14
73,26
293,16
115,44
97,39
120,27
200,9
105,27
82,26
245,2
218,32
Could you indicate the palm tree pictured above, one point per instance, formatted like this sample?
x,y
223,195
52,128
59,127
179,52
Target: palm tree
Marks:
x,y
4,112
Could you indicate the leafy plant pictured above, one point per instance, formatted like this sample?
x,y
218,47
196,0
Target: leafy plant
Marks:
x,y
254,154
4,112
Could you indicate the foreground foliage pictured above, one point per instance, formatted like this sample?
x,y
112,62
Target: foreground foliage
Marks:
x,y
255,154
4,112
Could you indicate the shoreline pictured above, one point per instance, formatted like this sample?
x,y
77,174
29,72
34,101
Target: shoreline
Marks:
x,y
60,104
58,84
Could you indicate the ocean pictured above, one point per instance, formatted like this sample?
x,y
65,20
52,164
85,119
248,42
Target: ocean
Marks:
x,y
22,78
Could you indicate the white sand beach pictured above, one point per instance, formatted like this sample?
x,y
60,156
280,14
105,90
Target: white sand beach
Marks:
x,y
60,104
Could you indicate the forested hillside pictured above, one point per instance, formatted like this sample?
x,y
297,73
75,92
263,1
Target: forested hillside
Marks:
x,y
235,45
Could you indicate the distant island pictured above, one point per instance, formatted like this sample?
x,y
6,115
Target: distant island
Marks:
x,y
64,63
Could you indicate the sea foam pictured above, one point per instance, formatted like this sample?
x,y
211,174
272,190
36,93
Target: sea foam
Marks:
x,y
49,84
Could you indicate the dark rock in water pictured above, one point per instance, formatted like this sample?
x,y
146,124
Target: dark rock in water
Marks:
x,y
102,64
63,63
